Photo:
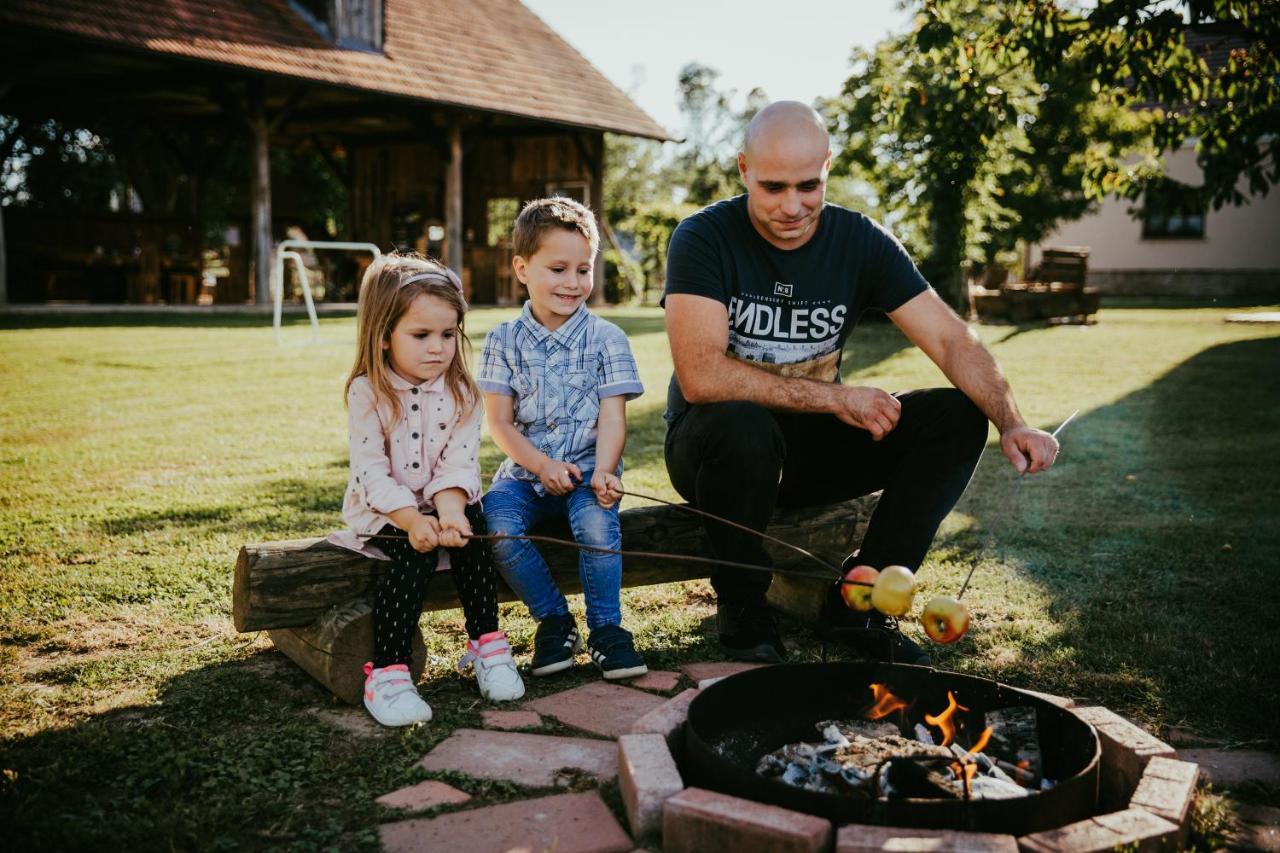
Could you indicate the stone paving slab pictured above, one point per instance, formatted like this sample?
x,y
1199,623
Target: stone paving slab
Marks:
x,y
1258,828
508,720
599,708
565,823
668,720
525,759
715,669
696,820
860,838
1235,767
423,795
662,682
1131,829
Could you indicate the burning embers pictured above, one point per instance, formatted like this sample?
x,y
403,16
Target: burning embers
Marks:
x,y
876,757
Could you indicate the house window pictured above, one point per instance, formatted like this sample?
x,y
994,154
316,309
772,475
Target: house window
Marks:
x,y
1172,210
353,24
577,190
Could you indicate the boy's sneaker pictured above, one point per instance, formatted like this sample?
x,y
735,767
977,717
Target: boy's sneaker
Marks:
x,y
748,633
392,697
875,635
490,657
555,644
614,653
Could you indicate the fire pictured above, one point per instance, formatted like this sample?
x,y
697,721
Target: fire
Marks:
x,y
966,768
886,703
943,720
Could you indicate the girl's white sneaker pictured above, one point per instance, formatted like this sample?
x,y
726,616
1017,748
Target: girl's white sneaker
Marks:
x,y
392,697
495,669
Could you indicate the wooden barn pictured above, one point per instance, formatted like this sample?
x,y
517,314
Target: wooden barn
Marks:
x,y
435,119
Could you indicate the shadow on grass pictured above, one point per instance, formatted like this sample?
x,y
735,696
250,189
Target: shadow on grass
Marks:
x,y
1155,539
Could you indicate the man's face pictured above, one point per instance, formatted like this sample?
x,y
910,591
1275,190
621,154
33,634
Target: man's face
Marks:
x,y
786,185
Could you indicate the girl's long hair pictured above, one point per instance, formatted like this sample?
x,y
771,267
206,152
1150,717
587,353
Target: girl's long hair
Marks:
x,y
383,300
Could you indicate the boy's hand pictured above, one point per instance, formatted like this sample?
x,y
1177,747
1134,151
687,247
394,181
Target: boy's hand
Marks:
x,y
558,477
424,533
608,488
454,529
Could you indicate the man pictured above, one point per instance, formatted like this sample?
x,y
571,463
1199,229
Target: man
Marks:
x,y
762,291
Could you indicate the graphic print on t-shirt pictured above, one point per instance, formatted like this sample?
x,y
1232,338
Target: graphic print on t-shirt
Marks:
x,y
785,336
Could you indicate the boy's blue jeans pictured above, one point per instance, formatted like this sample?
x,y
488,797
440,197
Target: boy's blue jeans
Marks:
x,y
511,507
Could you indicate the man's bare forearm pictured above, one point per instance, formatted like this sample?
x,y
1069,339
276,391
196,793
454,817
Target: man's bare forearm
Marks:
x,y
721,378
973,369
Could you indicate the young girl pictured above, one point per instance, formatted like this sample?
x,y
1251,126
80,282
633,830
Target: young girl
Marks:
x,y
414,414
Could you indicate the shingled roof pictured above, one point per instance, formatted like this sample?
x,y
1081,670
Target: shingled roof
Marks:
x,y
490,55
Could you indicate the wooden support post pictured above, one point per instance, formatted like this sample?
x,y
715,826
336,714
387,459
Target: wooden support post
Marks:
x,y
260,195
453,202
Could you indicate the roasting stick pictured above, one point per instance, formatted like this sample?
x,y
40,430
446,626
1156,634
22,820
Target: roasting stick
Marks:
x,y
1008,507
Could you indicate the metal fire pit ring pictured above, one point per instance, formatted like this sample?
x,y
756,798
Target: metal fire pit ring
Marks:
x,y
736,720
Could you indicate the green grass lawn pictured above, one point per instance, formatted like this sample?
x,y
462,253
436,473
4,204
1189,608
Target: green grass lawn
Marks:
x,y
140,452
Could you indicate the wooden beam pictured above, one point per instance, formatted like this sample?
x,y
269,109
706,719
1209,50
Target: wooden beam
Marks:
x,y
292,584
260,194
453,201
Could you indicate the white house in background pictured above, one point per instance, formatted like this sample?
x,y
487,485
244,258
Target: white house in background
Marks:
x,y
1172,248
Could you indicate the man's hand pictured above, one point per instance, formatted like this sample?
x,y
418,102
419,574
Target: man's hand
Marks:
x,y
424,533
454,529
557,477
1030,450
607,487
871,409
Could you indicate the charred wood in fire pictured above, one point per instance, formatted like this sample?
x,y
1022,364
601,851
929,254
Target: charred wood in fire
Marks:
x,y
1015,740
847,730
912,777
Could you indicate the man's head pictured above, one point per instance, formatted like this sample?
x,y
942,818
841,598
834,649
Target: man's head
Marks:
x,y
784,163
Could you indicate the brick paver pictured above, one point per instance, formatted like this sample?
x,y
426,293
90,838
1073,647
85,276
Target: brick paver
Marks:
x,y
508,720
1131,829
1166,789
423,795
662,682
647,776
857,838
1126,749
715,669
1231,768
600,708
697,820
525,759
565,823
668,720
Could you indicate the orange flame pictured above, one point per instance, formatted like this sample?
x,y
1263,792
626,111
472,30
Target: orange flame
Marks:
x,y
886,703
943,720
966,768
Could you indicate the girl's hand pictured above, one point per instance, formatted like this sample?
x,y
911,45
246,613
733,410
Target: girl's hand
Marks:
x,y
557,477
454,529
424,533
608,488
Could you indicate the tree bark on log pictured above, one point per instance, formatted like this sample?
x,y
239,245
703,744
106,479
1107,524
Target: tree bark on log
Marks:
x,y
294,583
334,649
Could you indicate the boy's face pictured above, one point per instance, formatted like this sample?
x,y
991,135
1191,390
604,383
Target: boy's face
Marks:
x,y
558,275
424,340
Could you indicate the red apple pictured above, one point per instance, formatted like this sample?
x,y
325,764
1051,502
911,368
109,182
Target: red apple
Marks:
x,y
893,591
945,619
856,588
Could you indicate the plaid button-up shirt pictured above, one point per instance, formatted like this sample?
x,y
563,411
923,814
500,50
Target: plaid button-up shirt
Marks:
x,y
558,379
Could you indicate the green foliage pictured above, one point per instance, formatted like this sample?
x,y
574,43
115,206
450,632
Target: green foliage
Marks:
x,y
651,226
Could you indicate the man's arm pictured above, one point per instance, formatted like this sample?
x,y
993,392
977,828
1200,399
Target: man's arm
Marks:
x,y
698,329
954,347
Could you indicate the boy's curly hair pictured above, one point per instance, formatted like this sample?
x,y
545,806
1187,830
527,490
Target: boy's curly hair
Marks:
x,y
545,214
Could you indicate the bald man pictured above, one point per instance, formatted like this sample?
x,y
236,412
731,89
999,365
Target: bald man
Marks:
x,y
762,291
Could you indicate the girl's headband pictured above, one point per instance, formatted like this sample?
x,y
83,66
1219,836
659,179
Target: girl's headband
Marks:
x,y
441,276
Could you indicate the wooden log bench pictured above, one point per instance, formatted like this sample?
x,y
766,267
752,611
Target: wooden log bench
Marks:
x,y
315,600
1055,290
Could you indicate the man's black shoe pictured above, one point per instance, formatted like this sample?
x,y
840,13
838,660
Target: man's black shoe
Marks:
x,y
875,635
747,633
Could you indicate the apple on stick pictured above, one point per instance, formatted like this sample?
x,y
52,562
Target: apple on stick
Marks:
x,y
893,591
856,589
945,619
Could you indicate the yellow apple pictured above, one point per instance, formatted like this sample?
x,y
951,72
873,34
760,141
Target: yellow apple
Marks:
x,y
945,619
893,591
856,588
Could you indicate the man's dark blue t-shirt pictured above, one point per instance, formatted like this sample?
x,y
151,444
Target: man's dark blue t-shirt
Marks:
x,y
790,310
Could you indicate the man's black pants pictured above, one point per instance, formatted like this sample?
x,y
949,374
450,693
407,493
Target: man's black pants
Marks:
x,y
739,461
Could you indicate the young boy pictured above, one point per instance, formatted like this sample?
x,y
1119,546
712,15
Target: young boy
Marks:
x,y
556,381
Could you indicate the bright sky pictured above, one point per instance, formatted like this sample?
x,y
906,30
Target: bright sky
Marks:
x,y
793,49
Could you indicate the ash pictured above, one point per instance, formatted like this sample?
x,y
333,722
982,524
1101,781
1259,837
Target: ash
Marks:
x,y
873,759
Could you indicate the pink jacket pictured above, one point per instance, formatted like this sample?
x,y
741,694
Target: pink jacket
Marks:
x,y
405,463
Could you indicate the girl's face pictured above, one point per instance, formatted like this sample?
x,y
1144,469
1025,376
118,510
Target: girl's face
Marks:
x,y
558,275
424,340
